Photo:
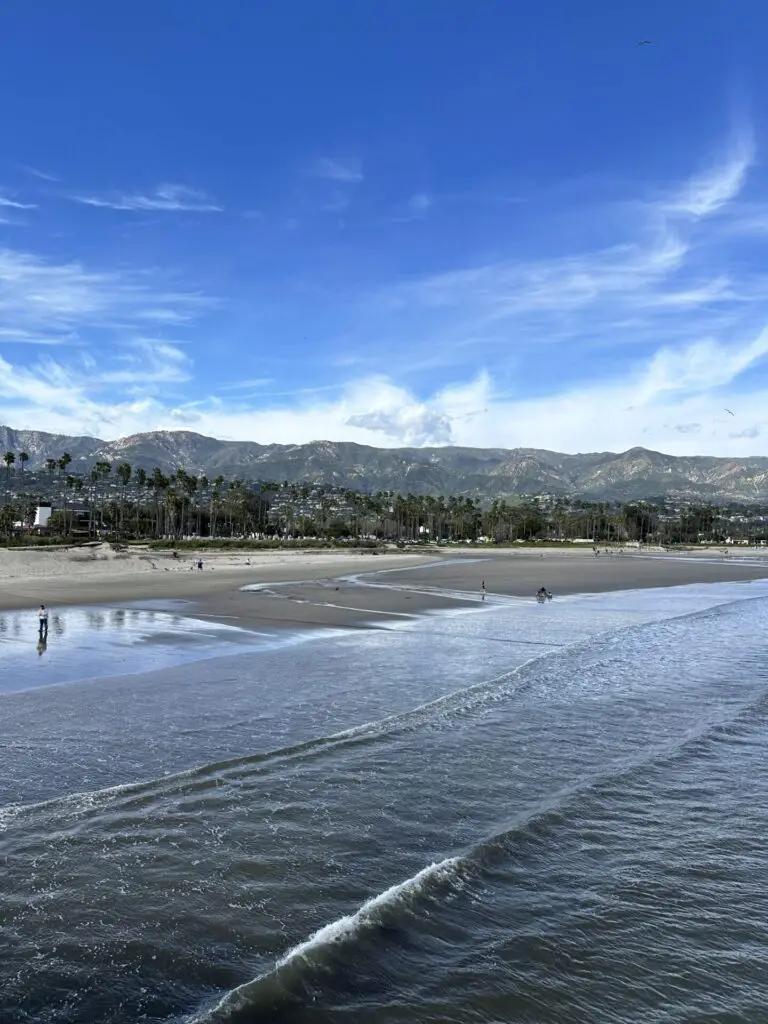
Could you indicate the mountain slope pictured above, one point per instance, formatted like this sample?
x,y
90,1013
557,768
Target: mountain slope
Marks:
x,y
478,472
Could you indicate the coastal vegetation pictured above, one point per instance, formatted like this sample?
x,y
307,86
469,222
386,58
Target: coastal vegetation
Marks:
x,y
114,501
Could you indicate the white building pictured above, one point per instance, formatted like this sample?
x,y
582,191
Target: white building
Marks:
x,y
43,515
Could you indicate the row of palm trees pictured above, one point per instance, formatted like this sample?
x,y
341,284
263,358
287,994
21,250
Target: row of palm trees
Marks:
x,y
118,500
51,465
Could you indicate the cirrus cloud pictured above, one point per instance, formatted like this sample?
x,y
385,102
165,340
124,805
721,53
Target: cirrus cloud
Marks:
x,y
169,198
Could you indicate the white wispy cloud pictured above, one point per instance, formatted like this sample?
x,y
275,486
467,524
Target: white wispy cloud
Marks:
x,y
706,193
667,277
145,362
14,204
19,336
37,173
334,169
45,298
166,197
249,384
415,207
642,341
647,408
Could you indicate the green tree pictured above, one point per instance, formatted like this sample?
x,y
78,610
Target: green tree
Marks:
x,y
9,458
159,484
6,521
124,471
99,475
141,483
218,483
69,483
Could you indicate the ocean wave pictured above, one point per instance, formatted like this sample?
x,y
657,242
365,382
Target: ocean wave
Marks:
x,y
440,711
247,997
217,773
590,797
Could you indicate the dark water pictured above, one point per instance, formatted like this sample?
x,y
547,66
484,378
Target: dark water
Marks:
x,y
529,813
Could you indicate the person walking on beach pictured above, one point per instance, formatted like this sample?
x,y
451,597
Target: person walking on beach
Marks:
x,y
200,564
42,617
482,589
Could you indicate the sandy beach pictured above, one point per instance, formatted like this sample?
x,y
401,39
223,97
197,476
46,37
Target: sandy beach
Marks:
x,y
298,589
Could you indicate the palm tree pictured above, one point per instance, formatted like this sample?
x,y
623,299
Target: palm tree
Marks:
x,y
23,460
218,483
50,465
124,474
180,478
69,483
159,483
203,484
99,474
64,461
9,458
141,483
189,488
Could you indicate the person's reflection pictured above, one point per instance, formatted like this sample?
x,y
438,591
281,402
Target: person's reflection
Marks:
x,y
42,645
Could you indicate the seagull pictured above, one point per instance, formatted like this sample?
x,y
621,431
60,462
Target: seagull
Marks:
x,y
644,42
729,411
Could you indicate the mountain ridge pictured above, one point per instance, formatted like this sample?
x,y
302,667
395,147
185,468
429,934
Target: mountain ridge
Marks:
x,y
486,473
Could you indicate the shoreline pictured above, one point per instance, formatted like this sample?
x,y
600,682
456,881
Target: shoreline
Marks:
x,y
314,589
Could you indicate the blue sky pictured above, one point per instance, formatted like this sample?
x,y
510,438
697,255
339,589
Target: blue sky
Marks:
x,y
391,222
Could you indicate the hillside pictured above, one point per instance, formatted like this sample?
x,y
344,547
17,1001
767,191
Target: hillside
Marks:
x,y
486,473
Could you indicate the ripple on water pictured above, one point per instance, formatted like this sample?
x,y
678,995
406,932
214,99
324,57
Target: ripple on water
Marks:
x,y
575,836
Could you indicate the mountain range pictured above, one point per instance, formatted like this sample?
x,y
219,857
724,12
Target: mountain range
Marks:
x,y
484,473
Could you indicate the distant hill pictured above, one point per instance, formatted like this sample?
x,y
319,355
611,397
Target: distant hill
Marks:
x,y
484,473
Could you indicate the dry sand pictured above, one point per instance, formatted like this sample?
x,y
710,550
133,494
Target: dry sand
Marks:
x,y
298,589
98,575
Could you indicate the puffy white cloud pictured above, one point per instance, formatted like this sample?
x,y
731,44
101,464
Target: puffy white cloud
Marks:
x,y
674,403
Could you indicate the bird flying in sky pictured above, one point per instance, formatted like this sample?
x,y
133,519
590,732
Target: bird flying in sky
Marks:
x,y
644,42
729,411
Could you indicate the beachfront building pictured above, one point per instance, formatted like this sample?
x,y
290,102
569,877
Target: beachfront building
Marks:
x,y
42,516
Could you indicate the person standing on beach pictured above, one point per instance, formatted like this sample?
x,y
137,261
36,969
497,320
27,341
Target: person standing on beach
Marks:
x,y
482,589
42,617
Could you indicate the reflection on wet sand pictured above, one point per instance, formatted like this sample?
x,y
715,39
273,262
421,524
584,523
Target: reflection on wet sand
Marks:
x,y
130,620
103,642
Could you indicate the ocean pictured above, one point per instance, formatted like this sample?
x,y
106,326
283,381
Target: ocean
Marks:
x,y
513,813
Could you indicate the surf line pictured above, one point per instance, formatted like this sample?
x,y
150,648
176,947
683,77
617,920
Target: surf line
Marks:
x,y
337,931
492,639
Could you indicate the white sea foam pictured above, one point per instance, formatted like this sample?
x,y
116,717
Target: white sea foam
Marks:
x,y
347,926
338,931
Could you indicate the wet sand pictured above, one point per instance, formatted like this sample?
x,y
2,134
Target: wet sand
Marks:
x,y
309,590
455,581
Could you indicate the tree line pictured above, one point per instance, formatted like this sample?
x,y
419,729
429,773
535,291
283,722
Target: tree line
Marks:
x,y
116,501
